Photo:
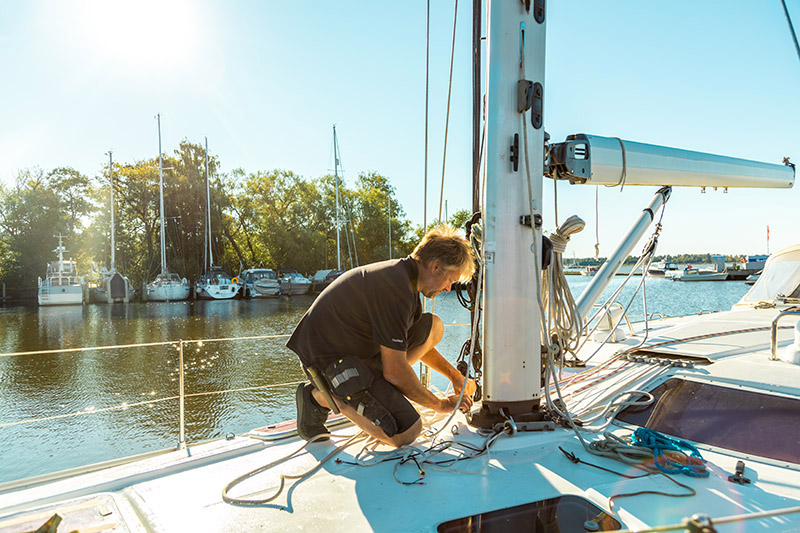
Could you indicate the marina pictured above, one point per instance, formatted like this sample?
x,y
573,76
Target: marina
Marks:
x,y
654,396
90,389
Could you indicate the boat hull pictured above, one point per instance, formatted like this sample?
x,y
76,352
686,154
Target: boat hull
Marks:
x,y
167,293
717,276
61,295
216,292
258,290
115,288
294,289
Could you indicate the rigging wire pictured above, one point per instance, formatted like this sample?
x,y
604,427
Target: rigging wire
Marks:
x,y
791,28
427,93
447,115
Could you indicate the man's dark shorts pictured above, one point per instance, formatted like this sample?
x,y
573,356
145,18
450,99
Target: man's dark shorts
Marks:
x,y
387,394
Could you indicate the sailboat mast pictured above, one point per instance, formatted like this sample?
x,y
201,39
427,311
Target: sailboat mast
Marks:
x,y
512,250
336,175
111,194
161,199
477,103
389,198
208,215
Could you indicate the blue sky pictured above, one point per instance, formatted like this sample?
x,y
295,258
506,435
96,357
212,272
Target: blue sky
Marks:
x,y
266,80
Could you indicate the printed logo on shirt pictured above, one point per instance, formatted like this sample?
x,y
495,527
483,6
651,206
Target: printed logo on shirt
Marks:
x,y
397,340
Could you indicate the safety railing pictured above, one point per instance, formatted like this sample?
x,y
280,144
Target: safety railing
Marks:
x,y
773,340
181,397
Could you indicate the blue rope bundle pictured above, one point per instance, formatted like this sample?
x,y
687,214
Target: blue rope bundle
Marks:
x,y
694,464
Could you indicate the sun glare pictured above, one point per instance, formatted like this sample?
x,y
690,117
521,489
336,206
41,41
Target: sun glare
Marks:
x,y
141,34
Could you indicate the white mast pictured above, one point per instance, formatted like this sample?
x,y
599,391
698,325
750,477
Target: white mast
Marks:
x,y
60,251
111,194
389,198
161,199
512,250
208,215
336,174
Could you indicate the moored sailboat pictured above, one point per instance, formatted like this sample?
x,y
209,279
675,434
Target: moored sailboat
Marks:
x,y
109,285
215,284
167,286
688,424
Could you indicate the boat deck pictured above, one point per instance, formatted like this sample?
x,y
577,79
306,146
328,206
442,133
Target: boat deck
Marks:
x,y
182,490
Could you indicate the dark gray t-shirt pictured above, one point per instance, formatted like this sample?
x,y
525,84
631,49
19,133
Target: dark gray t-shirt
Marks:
x,y
362,310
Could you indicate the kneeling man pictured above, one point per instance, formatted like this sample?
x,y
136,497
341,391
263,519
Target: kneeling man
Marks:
x,y
362,335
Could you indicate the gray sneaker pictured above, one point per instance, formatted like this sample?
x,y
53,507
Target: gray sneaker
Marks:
x,y
310,416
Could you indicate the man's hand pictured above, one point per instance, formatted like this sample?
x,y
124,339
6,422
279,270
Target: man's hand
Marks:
x,y
449,404
471,387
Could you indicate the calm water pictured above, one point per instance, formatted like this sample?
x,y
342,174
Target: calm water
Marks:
x,y
142,382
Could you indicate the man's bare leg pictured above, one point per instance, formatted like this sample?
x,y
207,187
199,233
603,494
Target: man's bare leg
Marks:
x,y
434,336
428,354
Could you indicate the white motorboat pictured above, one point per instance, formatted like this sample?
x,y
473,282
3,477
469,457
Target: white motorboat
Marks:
x,y
752,278
664,269
590,270
719,273
700,274
260,283
292,282
62,285
216,284
688,424
323,278
167,286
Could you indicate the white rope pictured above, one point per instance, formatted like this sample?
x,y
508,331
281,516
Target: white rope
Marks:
x,y
564,321
597,222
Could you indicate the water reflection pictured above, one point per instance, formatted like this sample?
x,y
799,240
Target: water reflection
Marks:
x,y
113,384
121,388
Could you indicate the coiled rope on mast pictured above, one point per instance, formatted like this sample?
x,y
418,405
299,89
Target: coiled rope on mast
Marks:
x,y
563,319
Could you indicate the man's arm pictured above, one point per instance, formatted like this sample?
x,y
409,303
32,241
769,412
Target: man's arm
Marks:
x,y
436,361
399,373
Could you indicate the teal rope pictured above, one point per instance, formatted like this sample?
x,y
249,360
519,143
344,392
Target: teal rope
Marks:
x,y
695,465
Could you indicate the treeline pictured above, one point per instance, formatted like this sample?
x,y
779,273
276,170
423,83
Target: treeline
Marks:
x,y
269,218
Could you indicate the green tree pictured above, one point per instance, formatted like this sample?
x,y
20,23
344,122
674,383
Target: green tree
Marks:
x,y
286,210
459,218
34,210
373,197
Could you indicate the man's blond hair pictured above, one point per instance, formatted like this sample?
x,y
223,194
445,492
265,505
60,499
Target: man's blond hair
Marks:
x,y
448,246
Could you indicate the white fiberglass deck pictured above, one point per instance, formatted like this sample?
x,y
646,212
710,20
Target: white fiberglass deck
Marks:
x,y
182,490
